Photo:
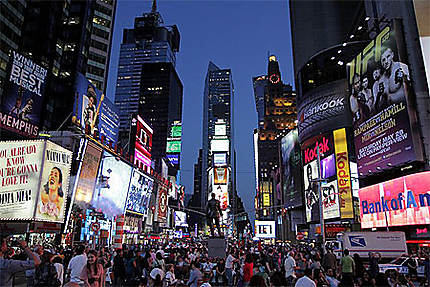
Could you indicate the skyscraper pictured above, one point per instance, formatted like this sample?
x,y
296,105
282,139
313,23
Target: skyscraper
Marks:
x,y
101,40
276,108
147,81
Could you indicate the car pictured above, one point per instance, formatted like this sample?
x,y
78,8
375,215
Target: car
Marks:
x,y
401,266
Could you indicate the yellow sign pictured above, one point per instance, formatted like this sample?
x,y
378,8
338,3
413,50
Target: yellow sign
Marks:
x,y
343,174
266,199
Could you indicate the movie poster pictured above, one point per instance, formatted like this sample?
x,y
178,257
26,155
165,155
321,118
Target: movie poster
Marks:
x,y
139,193
311,191
330,199
380,82
20,167
162,204
22,101
54,184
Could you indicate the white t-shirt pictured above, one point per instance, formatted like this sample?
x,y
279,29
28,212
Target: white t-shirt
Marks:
x,y
60,271
305,281
289,263
229,261
75,266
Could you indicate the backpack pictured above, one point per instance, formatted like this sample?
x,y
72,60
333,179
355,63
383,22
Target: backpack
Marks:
x,y
46,275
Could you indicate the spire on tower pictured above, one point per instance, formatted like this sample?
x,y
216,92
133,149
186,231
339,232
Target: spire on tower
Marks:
x,y
154,6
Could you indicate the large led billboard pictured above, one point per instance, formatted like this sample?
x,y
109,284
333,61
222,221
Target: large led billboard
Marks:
x,y
22,98
139,193
143,143
88,175
330,199
379,100
398,202
114,180
180,219
291,169
173,146
265,229
162,203
220,129
220,159
34,180
220,175
220,145
93,111
221,194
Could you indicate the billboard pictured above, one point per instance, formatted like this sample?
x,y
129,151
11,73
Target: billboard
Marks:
x,y
220,145
398,202
343,174
111,194
34,180
23,97
423,24
88,175
139,193
180,219
220,129
220,159
265,229
162,203
93,111
322,109
220,175
380,86
330,199
291,169
221,194
143,142
173,158
311,191
173,146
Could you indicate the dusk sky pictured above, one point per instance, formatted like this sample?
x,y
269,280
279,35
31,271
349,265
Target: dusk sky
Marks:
x,y
232,34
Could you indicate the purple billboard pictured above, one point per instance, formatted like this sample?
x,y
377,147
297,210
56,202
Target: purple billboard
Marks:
x,y
380,89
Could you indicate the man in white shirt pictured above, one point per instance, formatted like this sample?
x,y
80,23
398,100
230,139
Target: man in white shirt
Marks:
x,y
76,264
229,268
290,265
306,280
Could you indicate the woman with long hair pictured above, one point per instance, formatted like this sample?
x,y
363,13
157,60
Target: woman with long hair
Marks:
x,y
92,273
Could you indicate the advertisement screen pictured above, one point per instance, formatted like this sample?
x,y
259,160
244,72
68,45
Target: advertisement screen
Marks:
x,y
23,97
143,143
26,187
139,193
88,175
173,146
20,167
398,202
173,158
55,183
114,178
311,191
220,159
94,111
265,229
176,131
220,145
161,204
379,86
220,175
328,168
180,219
292,171
330,199
221,194
220,130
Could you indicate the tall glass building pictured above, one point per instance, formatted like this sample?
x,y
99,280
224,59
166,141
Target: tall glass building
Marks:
x,y
148,42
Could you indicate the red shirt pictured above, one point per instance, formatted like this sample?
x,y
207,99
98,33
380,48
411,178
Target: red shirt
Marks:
x,y
247,271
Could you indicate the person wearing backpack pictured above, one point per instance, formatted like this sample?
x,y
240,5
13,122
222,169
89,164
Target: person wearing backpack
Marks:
x,y
46,274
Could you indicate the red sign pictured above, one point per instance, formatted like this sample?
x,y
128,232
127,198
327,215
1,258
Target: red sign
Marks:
x,y
398,202
162,204
143,144
310,147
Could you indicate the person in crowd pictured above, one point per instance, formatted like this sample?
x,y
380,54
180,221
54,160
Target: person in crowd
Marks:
x,y
374,265
92,272
57,260
156,277
29,274
290,266
76,265
247,270
257,281
359,266
366,280
195,275
329,260
46,273
118,268
170,277
347,269
229,267
10,267
306,279
277,279
331,278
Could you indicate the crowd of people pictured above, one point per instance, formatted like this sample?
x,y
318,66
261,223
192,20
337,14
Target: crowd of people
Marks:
x,y
186,263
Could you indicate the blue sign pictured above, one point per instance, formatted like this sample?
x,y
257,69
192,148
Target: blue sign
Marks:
x,y
357,241
93,111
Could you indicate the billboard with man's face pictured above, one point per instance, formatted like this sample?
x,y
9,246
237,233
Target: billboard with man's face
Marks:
x,y
22,100
379,86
